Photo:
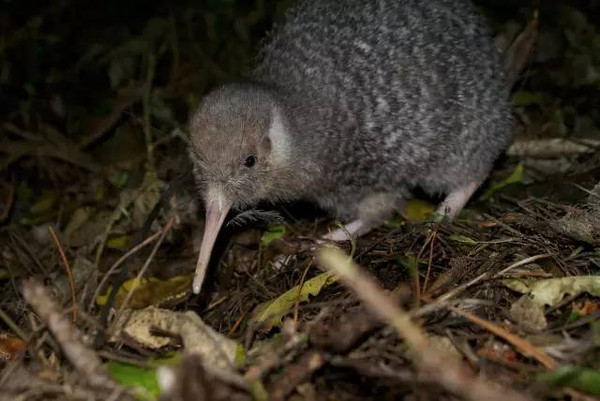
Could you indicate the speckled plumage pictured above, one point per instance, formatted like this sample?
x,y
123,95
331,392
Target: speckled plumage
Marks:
x,y
356,103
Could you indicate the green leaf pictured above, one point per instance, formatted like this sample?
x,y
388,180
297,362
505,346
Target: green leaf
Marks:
x,y
273,233
394,222
579,378
144,379
130,376
552,291
418,210
410,262
271,312
515,177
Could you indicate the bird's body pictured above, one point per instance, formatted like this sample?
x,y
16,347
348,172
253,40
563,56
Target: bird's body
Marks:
x,y
355,103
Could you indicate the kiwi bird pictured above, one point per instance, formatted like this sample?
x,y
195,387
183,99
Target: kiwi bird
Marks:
x,y
352,105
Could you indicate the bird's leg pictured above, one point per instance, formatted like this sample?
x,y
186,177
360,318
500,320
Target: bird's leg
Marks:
x,y
455,201
372,212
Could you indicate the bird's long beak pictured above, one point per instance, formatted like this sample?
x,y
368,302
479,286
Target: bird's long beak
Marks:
x,y
215,214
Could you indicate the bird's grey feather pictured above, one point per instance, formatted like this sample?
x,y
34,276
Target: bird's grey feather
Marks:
x,y
376,96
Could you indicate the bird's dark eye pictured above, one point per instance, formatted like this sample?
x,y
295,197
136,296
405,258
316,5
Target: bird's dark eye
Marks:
x,y
250,161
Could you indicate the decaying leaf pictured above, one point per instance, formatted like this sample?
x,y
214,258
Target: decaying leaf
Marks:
x,y
198,338
581,223
444,344
551,291
528,314
144,201
78,219
589,307
10,347
136,324
151,291
83,271
270,313
86,226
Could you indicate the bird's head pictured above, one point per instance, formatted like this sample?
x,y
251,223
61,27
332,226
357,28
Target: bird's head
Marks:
x,y
238,142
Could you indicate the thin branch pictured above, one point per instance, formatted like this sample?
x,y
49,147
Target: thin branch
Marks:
x,y
68,270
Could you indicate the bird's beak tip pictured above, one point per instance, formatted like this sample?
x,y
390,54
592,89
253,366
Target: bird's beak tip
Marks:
x,y
215,215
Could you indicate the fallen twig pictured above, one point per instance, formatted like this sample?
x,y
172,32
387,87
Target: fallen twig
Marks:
x,y
272,359
365,368
524,346
68,336
49,143
68,270
355,324
552,147
296,374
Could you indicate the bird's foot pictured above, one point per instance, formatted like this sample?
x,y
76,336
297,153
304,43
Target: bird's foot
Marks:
x,y
438,217
454,202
